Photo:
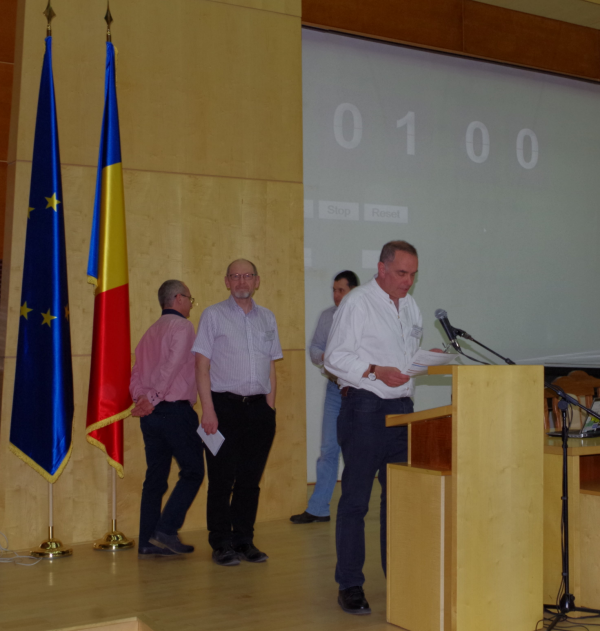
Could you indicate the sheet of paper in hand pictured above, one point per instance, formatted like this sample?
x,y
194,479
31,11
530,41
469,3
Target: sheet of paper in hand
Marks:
x,y
212,441
423,359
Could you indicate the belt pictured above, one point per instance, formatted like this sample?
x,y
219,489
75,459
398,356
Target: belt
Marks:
x,y
346,390
253,398
179,402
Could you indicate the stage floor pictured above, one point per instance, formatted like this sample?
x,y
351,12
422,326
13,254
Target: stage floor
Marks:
x,y
294,589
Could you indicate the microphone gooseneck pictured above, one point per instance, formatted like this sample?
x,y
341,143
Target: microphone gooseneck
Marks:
x,y
442,316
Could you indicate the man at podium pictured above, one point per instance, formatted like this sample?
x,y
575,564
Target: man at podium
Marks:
x,y
375,333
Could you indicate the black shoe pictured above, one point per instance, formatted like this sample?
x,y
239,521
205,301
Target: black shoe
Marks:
x,y
352,600
307,518
225,556
171,542
249,552
147,552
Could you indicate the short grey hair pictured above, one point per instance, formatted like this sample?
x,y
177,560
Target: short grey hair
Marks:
x,y
167,292
388,252
245,260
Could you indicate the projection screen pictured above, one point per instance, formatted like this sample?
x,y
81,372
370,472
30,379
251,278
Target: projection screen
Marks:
x,y
491,172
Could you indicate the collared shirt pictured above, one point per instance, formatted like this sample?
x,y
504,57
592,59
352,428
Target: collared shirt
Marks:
x,y
240,347
164,362
368,329
319,340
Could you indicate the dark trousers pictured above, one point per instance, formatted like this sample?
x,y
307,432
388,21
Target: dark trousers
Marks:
x,y
169,432
234,473
367,447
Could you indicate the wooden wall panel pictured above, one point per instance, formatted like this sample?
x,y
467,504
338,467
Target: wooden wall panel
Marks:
x,y
3,176
210,112
289,7
530,40
466,27
8,25
422,22
6,79
191,100
82,494
283,490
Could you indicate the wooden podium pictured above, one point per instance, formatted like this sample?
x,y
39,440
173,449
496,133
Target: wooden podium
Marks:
x,y
465,523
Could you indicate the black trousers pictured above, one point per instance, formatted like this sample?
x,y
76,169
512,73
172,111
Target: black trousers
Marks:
x,y
169,432
234,473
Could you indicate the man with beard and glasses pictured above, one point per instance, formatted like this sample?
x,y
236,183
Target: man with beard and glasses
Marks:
x,y
236,348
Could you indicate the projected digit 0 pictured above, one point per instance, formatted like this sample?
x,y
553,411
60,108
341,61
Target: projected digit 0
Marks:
x,y
527,133
485,142
338,119
409,121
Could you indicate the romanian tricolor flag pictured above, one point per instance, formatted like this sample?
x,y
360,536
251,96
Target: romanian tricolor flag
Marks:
x,y
42,412
109,401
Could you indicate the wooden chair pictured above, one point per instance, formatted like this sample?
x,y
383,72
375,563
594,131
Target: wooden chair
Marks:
x,y
549,397
580,386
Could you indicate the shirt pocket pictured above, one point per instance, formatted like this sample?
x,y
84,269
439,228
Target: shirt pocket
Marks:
x,y
264,342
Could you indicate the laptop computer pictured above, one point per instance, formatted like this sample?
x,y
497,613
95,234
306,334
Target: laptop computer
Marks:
x,y
590,429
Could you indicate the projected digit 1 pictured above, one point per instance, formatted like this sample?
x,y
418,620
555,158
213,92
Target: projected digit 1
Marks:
x,y
527,133
409,121
338,119
485,142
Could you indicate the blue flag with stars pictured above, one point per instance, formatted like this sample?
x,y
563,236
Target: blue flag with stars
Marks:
x,y
42,413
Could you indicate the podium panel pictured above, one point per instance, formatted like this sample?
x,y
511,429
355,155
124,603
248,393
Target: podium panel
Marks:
x,y
468,535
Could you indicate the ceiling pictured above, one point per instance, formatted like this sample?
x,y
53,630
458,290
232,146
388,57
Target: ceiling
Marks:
x,y
582,12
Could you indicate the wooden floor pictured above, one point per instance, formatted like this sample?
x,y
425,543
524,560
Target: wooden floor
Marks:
x,y
294,589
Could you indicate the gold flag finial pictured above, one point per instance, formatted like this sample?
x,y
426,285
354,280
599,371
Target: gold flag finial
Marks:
x,y
109,19
49,13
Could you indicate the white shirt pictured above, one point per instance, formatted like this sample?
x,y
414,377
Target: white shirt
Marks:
x,y
368,329
240,347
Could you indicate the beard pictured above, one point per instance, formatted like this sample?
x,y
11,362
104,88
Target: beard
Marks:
x,y
242,294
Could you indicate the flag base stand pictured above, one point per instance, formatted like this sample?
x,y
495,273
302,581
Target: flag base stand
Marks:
x,y
114,540
52,548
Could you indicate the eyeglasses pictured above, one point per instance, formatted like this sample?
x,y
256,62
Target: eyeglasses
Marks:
x,y
244,276
188,297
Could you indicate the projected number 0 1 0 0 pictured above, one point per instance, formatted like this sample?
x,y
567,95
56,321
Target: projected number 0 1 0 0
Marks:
x,y
477,137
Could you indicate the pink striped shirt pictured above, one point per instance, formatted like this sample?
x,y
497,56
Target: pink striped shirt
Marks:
x,y
164,362
240,347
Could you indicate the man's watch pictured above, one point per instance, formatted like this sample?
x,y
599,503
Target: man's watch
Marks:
x,y
372,376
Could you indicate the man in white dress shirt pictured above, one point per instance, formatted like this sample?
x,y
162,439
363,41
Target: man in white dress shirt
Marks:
x,y
376,331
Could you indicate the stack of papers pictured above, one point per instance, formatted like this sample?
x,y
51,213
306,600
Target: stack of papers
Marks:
x,y
423,359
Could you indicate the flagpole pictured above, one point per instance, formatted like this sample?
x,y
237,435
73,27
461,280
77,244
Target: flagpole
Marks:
x,y
51,548
113,540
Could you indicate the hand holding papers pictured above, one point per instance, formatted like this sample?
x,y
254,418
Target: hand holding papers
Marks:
x,y
423,359
212,441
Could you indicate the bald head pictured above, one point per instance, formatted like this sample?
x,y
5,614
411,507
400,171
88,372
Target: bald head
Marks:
x,y
241,261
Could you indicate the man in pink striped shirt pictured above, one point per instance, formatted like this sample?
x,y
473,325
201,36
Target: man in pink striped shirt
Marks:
x,y
164,390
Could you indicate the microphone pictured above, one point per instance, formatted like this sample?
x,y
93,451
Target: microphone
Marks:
x,y
442,316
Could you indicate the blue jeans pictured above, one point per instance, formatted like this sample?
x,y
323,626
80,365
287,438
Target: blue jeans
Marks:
x,y
367,447
169,432
327,464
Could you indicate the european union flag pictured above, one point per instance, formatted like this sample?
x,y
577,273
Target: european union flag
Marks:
x,y
42,413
